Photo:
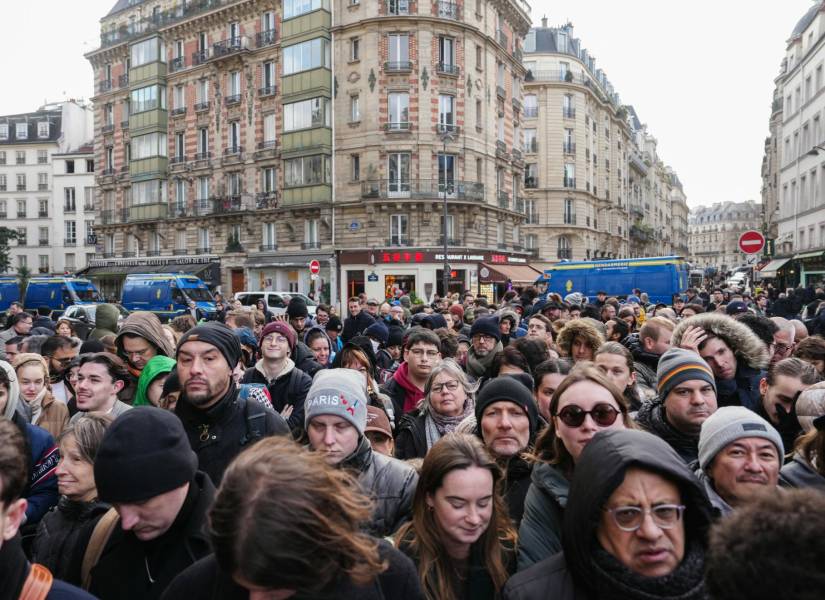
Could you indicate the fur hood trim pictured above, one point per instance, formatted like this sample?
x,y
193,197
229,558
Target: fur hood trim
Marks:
x,y
745,344
578,328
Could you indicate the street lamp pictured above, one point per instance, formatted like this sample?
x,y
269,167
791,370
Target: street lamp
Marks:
x,y
815,150
446,136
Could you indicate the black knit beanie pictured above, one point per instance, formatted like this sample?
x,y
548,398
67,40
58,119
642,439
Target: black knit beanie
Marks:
x,y
220,336
487,326
297,308
144,453
507,389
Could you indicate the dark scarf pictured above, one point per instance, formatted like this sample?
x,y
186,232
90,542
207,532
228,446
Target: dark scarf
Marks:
x,y
14,568
479,366
613,581
652,417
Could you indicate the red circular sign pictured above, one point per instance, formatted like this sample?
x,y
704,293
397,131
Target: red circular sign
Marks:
x,y
314,267
751,242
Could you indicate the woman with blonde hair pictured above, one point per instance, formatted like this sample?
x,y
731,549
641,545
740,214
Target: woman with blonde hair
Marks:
x,y
585,403
46,411
460,536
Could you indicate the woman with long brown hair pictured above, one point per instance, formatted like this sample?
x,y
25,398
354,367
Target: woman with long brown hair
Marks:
x,y
285,524
460,536
585,403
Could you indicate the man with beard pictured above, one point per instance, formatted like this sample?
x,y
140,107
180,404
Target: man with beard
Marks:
x,y
218,423
59,351
687,397
485,344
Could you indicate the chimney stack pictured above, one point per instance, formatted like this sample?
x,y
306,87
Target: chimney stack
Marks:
x,y
544,22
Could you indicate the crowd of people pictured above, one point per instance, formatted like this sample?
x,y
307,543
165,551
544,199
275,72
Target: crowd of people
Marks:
x,y
535,447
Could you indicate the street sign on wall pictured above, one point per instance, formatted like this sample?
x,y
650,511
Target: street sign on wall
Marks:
x,y
751,242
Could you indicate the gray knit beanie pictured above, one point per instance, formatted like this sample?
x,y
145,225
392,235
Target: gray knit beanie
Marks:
x,y
731,423
340,393
678,365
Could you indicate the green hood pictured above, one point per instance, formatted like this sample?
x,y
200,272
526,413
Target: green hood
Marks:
x,y
106,316
158,365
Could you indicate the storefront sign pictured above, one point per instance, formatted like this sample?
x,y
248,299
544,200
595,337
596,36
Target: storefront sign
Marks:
x,y
411,257
158,261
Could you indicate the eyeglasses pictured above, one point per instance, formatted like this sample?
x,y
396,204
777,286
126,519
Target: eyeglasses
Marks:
x,y
484,338
573,416
419,352
630,518
276,339
450,385
780,348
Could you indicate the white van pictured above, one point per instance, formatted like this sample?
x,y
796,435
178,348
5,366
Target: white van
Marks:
x,y
275,301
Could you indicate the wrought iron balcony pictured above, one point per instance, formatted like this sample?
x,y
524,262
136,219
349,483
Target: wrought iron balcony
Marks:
x,y
42,187
531,182
569,147
447,128
230,46
180,251
268,90
531,112
451,241
43,242
221,205
448,69
233,154
179,111
569,182
123,80
418,189
267,247
202,106
70,241
200,56
108,128
43,269
177,63
398,241
203,156
398,126
398,7
568,113
265,200
232,99
177,160
266,38
104,86
503,200
204,250
310,245
398,66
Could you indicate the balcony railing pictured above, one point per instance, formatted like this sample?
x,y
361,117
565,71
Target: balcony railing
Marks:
x,y
200,56
565,253
202,156
398,7
43,242
451,241
569,219
153,253
177,63
202,106
232,99
123,80
532,146
569,182
310,245
503,200
181,110
266,200
398,66
268,90
531,112
104,86
448,69
449,10
568,113
204,250
44,269
398,241
180,251
221,205
21,187
177,160
569,147
230,46
42,187
423,189
266,38
233,154
397,126
267,247
531,182
42,214
108,172
108,128
70,241
501,38
447,128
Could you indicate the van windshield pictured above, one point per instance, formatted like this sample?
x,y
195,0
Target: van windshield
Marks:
x,y
85,292
199,294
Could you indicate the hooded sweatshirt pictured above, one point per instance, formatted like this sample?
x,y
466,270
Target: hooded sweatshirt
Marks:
x,y
146,325
158,365
106,316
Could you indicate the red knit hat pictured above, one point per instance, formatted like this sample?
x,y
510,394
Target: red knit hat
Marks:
x,y
458,311
284,329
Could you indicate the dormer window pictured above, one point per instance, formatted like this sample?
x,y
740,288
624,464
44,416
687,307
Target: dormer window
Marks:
x,y
22,131
43,129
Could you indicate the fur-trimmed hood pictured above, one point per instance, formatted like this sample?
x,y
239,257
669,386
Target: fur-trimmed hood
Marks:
x,y
578,328
745,344
507,312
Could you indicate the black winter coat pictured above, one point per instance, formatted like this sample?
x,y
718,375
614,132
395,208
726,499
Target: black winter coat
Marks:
x,y
411,436
131,569
652,418
574,574
305,359
516,484
539,535
290,388
800,474
395,393
62,537
390,484
204,580
219,433
356,325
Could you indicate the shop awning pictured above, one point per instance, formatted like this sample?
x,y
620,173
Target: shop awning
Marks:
x,y
770,269
517,274
814,254
122,271
263,260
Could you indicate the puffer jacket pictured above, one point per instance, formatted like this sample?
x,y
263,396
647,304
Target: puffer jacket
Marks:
x,y
800,474
411,436
390,484
540,532
574,574
751,357
106,316
653,418
63,535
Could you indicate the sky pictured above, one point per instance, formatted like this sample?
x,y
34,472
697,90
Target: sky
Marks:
x,y
699,72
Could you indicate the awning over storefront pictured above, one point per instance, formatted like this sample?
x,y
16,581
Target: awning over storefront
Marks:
x,y
814,254
770,269
122,271
263,261
517,274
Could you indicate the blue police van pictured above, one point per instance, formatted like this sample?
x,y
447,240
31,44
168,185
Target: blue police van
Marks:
x,y
9,292
661,277
59,293
166,295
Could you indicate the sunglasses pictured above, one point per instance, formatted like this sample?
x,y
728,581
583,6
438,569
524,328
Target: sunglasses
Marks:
x,y
573,416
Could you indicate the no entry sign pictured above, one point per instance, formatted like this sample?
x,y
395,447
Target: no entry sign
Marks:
x,y
751,242
314,267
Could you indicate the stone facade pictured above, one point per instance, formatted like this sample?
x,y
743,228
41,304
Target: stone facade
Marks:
x,y
715,231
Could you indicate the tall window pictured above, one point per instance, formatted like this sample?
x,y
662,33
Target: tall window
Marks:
x,y
179,146
446,173
269,236
531,105
311,231
234,137
355,108
399,228
234,84
203,239
446,51
203,188
269,130
268,77
203,142
180,196
569,175
71,232
569,211
446,112
178,99
69,204
399,110
568,106
269,182
202,91
564,251
399,174
398,49
530,141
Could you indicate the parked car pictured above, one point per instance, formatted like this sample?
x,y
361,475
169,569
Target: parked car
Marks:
x,y
82,318
737,282
275,301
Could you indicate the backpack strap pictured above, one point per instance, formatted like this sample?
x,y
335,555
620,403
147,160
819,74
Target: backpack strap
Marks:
x,y
38,583
292,386
255,417
97,542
